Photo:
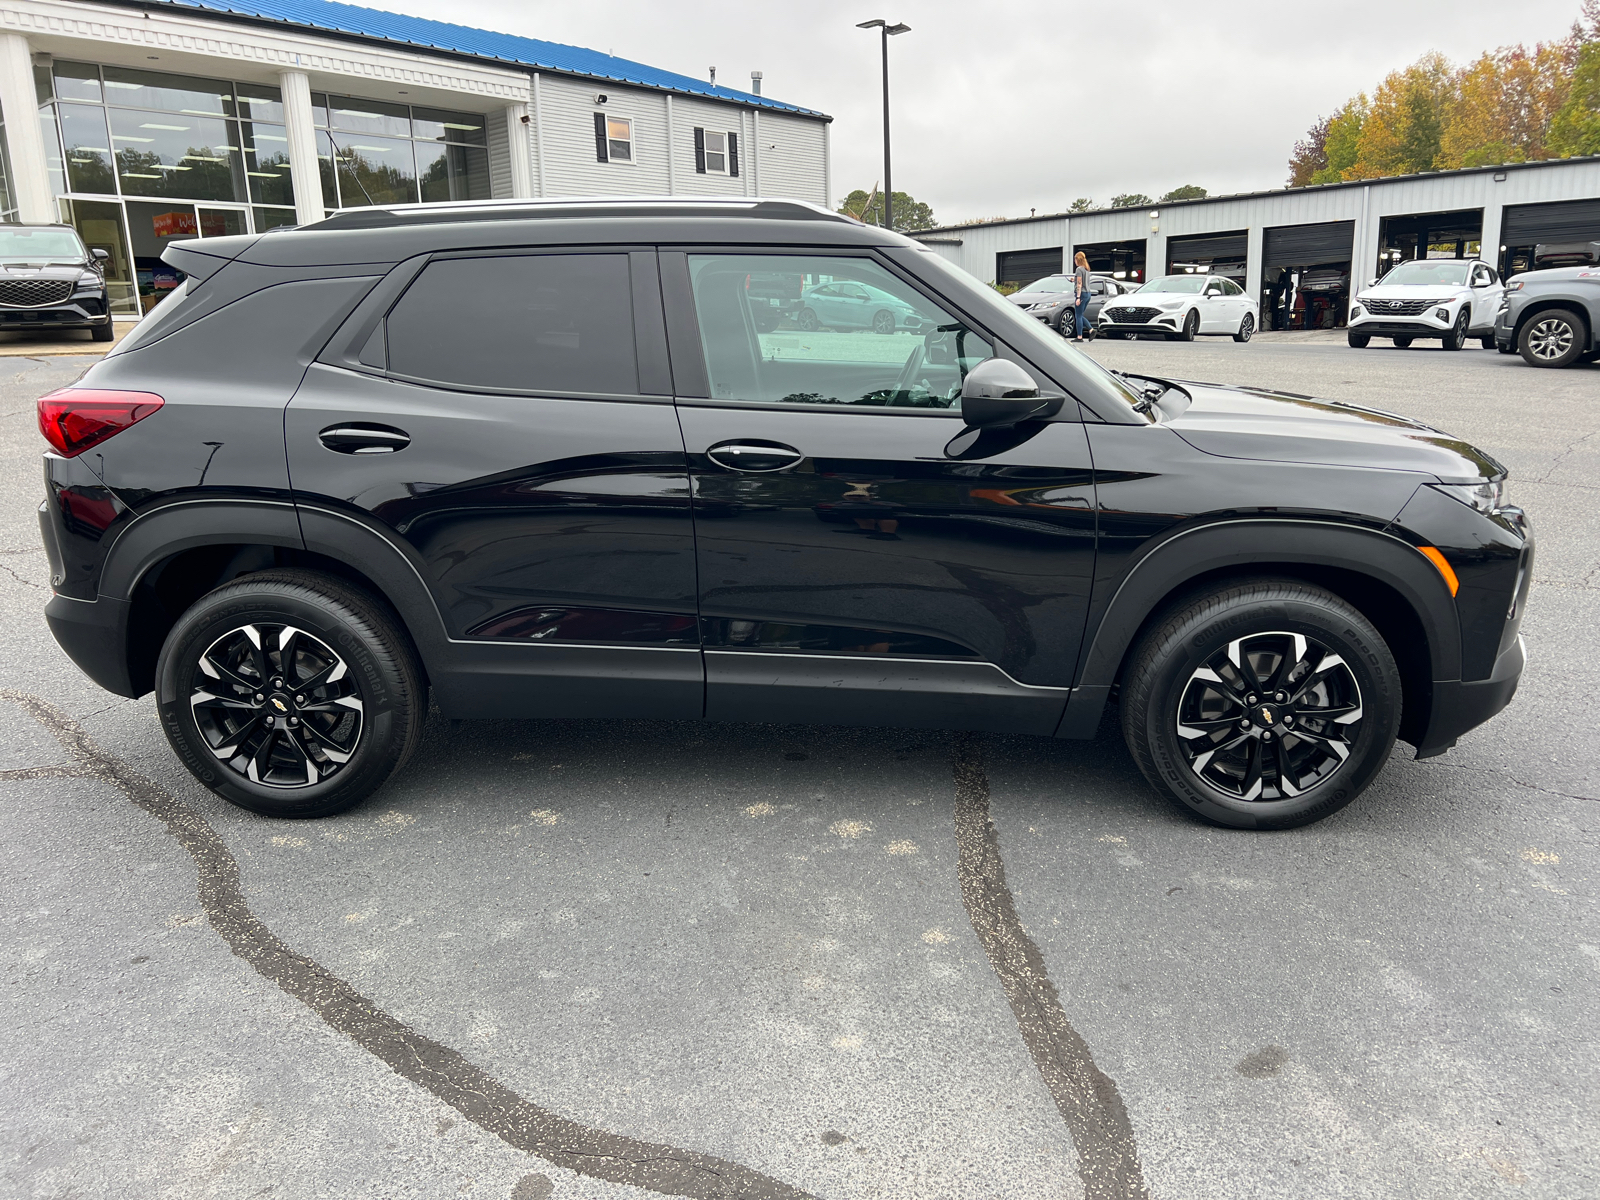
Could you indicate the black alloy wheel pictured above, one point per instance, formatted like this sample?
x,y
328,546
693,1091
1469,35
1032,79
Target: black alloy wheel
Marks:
x,y
1191,326
290,693
1267,704
883,321
807,320
1457,337
1247,328
1359,340
1402,343
1553,338
1067,322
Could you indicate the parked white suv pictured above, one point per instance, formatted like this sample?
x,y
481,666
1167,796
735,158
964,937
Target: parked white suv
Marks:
x,y
1451,299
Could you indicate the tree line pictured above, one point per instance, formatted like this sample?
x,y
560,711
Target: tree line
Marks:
x,y
1514,104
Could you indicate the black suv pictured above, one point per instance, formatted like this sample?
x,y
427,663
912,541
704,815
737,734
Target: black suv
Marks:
x,y
49,280
541,460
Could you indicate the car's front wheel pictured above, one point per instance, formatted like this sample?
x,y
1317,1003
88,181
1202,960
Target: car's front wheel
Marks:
x,y
1553,338
1457,337
883,321
1247,329
807,320
104,332
290,693
1358,340
1191,326
1266,704
1487,342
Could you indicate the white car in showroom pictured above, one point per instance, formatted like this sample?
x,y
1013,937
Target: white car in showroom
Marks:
x,y
1452,299
1182,306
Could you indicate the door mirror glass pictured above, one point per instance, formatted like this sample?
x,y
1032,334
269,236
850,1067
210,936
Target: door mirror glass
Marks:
x,y
998,393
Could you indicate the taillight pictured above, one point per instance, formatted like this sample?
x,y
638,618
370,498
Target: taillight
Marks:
x,y
74,419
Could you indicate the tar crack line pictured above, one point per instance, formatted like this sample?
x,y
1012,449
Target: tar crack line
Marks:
x,y
462,1085
1088,1100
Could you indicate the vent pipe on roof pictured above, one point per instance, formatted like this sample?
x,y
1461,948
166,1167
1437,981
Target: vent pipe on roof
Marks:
x,y
755,83
713,77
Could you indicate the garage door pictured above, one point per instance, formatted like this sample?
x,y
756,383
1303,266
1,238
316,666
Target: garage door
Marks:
x,y
1024,266
1307,245
1570,221
1210,248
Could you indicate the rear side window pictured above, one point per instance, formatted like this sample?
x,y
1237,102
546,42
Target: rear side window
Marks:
x,y
532,322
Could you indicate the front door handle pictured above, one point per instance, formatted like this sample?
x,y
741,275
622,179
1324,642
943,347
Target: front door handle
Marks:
x,y
364,439
754,455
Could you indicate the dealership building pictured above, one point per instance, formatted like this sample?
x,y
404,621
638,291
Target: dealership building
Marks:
x,y
1299,250
144,122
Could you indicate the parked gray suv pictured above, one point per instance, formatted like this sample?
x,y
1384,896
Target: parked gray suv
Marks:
x,y
1552,317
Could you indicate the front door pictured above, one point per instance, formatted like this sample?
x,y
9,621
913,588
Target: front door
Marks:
x,y
503,426
851,571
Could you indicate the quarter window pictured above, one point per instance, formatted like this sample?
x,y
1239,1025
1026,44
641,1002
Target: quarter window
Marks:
x,y
817,330
525,323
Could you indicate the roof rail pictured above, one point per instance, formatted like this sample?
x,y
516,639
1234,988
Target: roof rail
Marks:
x,y
395,215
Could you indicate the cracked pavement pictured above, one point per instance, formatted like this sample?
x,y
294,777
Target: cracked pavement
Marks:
x,y
776,948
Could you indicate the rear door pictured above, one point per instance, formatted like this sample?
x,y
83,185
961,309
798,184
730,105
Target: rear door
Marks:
x,y
855,568
504,419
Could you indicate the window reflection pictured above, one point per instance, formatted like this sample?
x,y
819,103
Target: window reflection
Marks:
x,y
167,154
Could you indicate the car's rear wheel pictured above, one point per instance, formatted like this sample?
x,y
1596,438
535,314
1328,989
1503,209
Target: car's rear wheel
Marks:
x,y
1487,342
1359,340
1457,337
1267,704
807,320
1247,328
883,321
104,332
290,693
1402,342
1191,325
1553,338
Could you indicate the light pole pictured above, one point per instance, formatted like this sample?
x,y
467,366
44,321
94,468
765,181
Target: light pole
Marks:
x,y
888,185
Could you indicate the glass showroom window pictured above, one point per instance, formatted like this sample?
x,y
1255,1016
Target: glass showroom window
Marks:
x,y
377,152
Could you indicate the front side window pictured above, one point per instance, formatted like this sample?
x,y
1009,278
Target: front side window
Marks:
x,y
716,153
519,323
822,330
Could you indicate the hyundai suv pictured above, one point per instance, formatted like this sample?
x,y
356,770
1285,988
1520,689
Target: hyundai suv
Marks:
x,y
1451,299
49,280
540,460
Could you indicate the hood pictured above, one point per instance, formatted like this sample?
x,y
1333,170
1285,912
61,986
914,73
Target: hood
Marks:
x,y
1024,301
1155,299
1250,423
1413,291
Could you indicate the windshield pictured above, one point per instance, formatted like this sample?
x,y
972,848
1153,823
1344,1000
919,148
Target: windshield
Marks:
x,y
19,243
1190,284
1050,283
1452,272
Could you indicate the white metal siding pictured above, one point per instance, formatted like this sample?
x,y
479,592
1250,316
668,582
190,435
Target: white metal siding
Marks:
x,y
793,154
689,113
571,168
500,186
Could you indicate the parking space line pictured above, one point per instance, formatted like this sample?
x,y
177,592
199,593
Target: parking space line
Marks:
x,y
1088,1100
465,1087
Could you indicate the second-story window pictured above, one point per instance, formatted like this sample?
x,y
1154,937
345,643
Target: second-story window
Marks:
x,y
613,138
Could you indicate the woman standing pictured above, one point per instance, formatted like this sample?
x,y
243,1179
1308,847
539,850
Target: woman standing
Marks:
x,y
1080,287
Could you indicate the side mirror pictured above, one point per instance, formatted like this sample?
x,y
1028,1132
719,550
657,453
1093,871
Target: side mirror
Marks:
x,y
1372,283
100,253
998,393
1213,291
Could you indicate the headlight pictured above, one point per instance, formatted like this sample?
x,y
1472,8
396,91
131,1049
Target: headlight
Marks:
x,y
88,279
1515,285
1488,497
1046,305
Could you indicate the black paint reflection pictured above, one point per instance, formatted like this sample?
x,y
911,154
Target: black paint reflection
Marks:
x,y
828,639
591,625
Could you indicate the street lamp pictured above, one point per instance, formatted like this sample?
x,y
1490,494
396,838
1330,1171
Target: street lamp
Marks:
x,y
888,185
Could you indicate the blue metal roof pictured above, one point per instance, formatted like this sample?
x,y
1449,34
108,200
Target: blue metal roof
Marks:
x,y
331,17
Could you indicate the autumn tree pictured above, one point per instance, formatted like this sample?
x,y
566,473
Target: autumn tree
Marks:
x,y
1504,104
1310,154
1575,129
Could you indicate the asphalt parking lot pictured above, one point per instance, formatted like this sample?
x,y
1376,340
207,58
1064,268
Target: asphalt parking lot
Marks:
x,y
591,959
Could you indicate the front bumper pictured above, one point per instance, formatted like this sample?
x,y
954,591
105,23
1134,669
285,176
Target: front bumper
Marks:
x,y
1165,324
1459,707
1423,325
81,312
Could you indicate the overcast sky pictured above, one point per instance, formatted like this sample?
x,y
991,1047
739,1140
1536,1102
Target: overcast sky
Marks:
x,y
1002,106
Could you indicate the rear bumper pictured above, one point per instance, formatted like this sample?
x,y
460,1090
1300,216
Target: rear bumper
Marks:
x,y
94,633
1459,707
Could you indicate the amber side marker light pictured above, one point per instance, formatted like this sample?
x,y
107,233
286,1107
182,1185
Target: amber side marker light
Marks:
x,y
1438,560
73,419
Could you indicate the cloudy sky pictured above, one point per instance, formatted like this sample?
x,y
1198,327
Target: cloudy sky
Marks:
x,y
1002,106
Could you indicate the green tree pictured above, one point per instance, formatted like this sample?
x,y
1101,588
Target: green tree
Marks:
x,y
1343,141
867,207
1188,191
1575,129
1081,204
1131,200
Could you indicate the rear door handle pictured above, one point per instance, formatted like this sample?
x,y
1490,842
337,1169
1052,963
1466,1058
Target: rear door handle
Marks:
x,y
753,455
364,439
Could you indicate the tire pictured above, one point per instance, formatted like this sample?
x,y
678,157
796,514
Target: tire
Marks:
x,y
1402,342
764,319
1457,337
1487,342
1191,323
1359,340
1505,349
103,333
807,320
1208,771
1552,338
1066,323
883,321
1247,329
352,730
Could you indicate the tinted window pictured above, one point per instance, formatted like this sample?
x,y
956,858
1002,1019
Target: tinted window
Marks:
x,y
810,329
1230,288
536,322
